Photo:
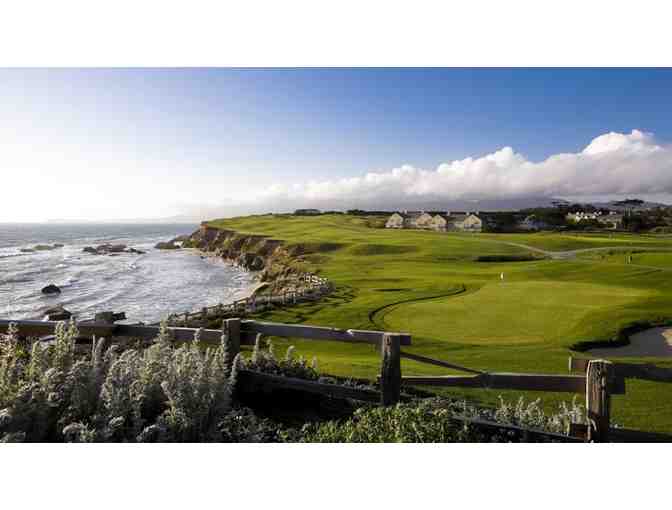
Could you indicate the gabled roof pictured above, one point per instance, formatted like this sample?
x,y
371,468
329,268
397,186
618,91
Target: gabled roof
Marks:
x,y
411,214
458,216
463,216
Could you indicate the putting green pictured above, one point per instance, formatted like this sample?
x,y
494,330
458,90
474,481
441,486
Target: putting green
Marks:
x,y
511,312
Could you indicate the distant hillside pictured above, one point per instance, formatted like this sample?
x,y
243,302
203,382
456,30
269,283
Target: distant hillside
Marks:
x,y
632,204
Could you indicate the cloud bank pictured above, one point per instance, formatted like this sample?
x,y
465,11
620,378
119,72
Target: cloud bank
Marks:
x,y
611,164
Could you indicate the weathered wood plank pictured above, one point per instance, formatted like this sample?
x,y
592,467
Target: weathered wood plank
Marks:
x,y
598,400
525,382
43,328
232,330
208,336
250,328
438,363
644,371
390,371
249,377
463,381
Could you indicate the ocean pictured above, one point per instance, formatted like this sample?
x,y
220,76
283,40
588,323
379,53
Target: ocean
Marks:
x,y
146,286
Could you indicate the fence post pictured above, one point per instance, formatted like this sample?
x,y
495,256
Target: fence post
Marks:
x,y
233,330
390,372
599,376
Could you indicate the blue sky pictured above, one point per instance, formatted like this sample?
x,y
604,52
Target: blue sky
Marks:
x,y
211,136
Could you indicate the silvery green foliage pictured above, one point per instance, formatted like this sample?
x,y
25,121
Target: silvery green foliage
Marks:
x,y
532,415
266,361
161,393
435,420
79,433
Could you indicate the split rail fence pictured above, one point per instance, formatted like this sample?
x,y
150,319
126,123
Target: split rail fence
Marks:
x,y
597,379
310,288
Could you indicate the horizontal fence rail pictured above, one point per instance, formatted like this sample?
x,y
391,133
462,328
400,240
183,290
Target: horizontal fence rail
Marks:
x,y
645,372
308,287
504,381
252,378
439,363
251,328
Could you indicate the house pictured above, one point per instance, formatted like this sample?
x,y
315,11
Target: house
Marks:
x,y
440,222
531,222
613,220
443,222
409,220
471,223
580,216
423,220
457,222
395,221
307,212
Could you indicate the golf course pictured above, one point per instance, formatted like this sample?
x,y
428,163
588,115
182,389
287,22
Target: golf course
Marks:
x,y
495,302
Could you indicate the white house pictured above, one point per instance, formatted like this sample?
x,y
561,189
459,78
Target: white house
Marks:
x,y
613,220
395,221
580,216
457,222
409,220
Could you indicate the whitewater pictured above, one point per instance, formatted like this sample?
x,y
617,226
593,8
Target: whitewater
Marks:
x,y
146,286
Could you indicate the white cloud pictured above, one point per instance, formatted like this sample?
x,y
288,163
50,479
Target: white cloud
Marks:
x,y
612,163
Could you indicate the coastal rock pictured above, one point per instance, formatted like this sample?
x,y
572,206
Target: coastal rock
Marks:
x,y
111,249
46,247
51,289
41,247
257,264
58,313
251,261
117,248
167,245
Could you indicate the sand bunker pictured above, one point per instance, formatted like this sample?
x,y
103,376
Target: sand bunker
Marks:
x,y
654,342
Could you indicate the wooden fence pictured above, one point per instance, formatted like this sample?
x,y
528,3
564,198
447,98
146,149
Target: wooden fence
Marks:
x,y
598,379
310,287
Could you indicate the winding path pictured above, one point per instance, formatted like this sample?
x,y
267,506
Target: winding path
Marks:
x,y
568,254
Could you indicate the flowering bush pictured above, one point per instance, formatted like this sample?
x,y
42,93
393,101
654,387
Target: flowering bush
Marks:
x,y
162,393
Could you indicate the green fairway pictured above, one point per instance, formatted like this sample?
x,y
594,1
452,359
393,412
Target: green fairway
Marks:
x,y
460,310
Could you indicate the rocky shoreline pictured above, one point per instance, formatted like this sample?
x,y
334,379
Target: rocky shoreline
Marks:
x,y
252,252
282,271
